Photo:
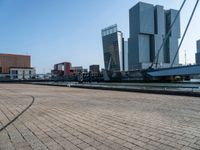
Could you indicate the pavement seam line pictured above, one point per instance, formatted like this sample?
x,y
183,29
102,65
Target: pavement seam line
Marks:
x,y
16,117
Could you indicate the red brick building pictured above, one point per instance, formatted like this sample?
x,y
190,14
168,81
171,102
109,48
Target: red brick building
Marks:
x,y
8,61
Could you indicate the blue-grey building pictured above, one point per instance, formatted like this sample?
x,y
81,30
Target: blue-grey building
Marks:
x,y
125,55
148,27
172,42
113,48
198,53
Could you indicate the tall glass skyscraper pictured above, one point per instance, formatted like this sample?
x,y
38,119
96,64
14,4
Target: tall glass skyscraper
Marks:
x,y
113,48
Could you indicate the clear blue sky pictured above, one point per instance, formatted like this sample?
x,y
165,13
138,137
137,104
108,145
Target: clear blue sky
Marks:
x,y
53,31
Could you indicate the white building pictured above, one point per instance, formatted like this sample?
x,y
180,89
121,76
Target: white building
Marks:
x,y
22,73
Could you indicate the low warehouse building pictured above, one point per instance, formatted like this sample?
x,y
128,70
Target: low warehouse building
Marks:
x,y
22,73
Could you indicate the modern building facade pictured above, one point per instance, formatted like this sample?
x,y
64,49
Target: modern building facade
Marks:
x,y
66,70
148,27
22,73
8,61
62,69
76,70
113,43
94,68
125,55
198,53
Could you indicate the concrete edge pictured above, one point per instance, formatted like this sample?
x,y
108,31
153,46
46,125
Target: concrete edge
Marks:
x,y
164,92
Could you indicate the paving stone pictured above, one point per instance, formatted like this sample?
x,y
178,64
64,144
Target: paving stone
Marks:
x,y
81,119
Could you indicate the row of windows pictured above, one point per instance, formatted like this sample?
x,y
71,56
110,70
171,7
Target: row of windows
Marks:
x,y
109,30
18,72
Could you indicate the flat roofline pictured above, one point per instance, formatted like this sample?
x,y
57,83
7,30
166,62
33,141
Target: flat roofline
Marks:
x,y
21,68
63,63
77,67
110,27
6,54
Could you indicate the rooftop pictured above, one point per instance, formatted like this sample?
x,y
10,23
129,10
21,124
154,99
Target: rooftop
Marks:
x,y
4,54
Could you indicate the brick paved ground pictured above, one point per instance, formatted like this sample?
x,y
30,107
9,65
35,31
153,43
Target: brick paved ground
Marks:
x,y
81,119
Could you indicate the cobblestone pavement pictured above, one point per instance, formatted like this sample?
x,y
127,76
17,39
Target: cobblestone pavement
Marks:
x,y
81,119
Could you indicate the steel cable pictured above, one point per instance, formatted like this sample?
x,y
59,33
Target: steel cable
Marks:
x,y
167,36
195,7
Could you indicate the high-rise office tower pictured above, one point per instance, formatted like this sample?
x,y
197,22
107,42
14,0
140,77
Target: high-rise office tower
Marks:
x,y
198,53
172,42
113,44
148,27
